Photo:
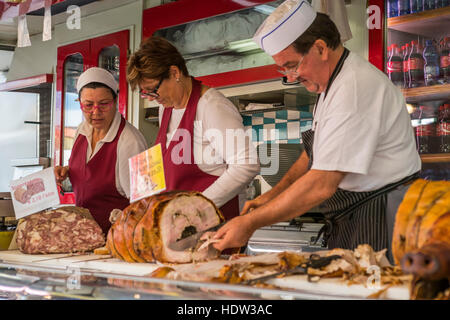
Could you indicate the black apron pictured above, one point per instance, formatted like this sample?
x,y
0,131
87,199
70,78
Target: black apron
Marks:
x,y
353,218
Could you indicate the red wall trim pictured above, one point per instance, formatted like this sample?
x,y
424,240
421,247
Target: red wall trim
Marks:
x,y
26,82
241,76
377,38
81,47
183,11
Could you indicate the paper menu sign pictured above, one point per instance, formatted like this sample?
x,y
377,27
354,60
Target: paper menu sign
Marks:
x,y
34,193
146,173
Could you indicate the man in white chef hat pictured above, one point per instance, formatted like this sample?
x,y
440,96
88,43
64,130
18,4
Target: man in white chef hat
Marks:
x,y
360,153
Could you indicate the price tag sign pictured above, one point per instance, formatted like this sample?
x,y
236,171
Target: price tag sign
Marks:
x,y
34,193
146,174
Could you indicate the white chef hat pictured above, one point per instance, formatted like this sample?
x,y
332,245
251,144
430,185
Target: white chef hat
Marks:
x,y
96,74
284,25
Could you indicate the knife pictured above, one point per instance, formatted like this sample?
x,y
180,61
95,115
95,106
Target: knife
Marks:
x,y
315,261
192,240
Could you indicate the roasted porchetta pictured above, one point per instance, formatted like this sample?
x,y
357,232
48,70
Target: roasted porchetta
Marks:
x,y
421,240
143,230
64,230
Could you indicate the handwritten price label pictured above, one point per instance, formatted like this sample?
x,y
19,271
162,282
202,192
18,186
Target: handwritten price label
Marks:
x,y
34,193
146,174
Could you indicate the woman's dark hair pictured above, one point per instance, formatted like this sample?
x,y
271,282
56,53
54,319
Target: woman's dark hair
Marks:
x,y
95,85
321,28
153,61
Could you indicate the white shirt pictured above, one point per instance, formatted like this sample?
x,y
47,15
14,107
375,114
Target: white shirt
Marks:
x,y
363,128
235,166
131,142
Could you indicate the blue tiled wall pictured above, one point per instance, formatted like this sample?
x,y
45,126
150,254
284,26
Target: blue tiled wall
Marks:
x,y
287,124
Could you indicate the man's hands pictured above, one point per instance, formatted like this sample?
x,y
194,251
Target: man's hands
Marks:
x,y
61,173
235,233
255,203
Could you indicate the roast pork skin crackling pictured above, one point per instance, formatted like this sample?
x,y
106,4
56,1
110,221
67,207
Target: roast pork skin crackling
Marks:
x,y
144,230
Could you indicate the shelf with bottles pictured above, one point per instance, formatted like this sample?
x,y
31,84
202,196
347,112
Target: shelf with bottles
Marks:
x,y
431,123
424,23
419,47
423,72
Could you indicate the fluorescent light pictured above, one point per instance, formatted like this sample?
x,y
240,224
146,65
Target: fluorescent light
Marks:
x,y
242,45
265,9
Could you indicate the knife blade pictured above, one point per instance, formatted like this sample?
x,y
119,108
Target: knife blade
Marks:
x,y
315,261
191,241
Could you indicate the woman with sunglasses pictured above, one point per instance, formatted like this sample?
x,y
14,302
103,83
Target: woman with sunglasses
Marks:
x,y
98,165
194,122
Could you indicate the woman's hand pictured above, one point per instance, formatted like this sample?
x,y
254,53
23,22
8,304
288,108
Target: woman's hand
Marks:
x,y
61,173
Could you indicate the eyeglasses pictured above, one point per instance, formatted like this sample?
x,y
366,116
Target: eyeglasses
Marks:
x,y
90,107
153,94
293,71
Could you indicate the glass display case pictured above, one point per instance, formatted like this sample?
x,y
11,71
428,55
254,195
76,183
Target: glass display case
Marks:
x,y
21,281
90,277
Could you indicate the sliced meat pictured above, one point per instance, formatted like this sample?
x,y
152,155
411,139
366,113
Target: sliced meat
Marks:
x,y
21,195
149,225
63,230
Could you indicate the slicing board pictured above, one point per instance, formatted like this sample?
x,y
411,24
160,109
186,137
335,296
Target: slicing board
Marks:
x,y
336,286
106,264
101,263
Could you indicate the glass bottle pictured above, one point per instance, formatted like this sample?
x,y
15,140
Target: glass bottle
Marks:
x,y
431,67
415,66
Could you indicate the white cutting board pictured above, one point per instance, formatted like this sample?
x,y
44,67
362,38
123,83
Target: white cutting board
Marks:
x,y
339,287
100,263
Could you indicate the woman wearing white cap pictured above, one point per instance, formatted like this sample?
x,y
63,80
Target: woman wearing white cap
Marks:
x,y
361,150
98,165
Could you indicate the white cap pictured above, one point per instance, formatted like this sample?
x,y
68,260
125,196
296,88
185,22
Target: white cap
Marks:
x,y
96,74
284,25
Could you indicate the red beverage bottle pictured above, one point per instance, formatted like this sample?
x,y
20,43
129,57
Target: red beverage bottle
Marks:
x,y
389,54
405,65
415,66
445,60
395,67
426,131
443,128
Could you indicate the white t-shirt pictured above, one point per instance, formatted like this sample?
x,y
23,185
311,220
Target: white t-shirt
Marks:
x,y
363,128
235,166
131,142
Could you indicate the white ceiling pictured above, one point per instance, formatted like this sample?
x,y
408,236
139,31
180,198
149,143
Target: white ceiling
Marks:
x,y
8,27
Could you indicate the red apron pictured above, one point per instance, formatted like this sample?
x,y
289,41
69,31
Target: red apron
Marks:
x,y
94,183
188,176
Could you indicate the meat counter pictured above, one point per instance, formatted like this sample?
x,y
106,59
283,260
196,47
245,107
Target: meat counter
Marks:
x,y
92,277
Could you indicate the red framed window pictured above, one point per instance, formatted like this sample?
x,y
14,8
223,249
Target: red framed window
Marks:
x,y
109,52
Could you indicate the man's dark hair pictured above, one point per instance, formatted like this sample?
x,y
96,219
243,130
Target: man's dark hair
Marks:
x,y
321,28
